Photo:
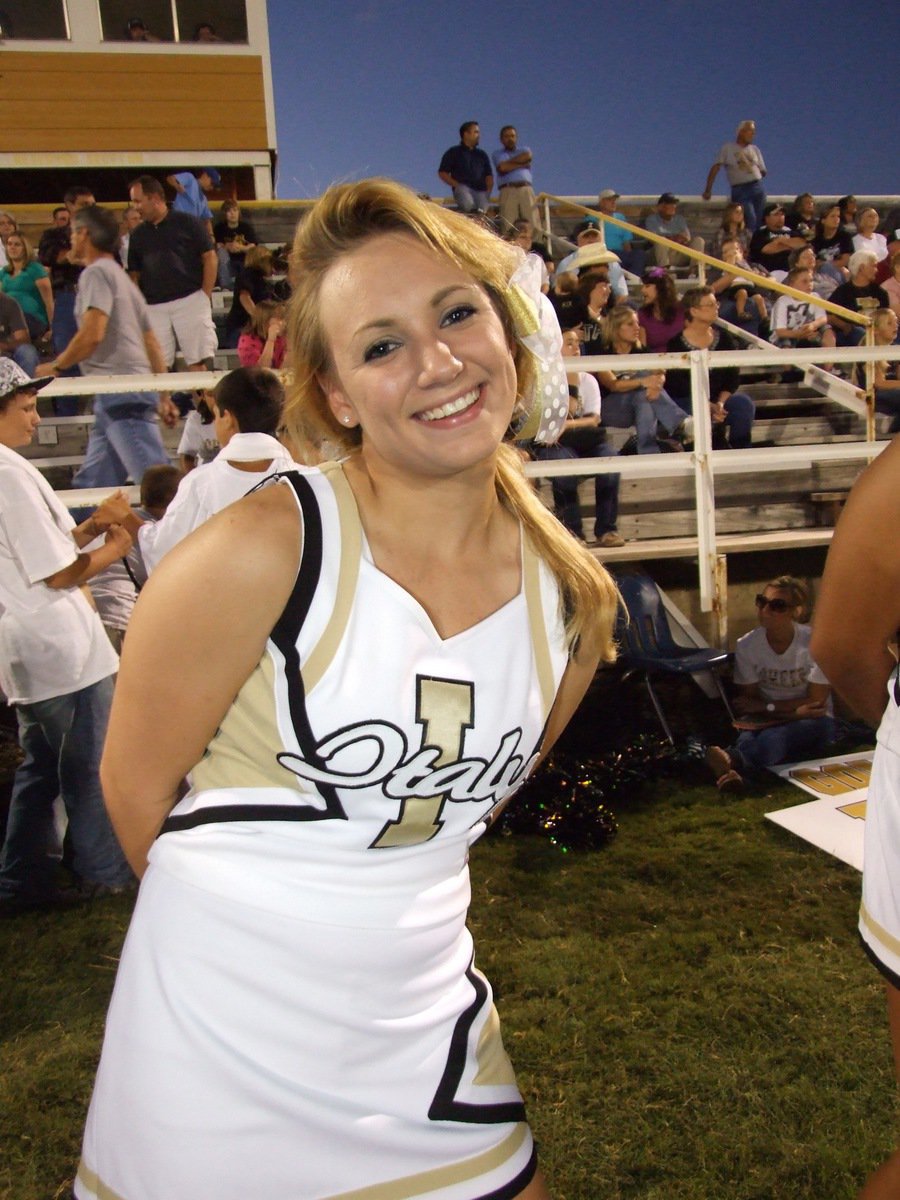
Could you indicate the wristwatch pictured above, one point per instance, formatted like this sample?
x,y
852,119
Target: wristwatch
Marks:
x,y
770,707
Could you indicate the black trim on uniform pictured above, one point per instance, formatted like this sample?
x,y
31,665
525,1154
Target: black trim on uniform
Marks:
x,y
891,976
515,1186
445,1106
284,635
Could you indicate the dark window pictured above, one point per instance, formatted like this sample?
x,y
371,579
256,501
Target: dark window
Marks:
x,y
25,19
227,18
136,20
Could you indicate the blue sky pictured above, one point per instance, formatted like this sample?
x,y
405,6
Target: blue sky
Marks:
x,y
636,96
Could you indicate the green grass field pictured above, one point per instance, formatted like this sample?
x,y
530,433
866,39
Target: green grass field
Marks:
x,y
688,1010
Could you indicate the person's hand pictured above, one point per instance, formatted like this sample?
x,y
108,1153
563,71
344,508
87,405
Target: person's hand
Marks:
x,y
717,412
119,538
42,370
808,709
168,411
112,511
276,329
706,195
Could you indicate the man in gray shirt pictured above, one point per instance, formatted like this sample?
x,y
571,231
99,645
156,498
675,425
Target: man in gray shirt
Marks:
x,y
114,338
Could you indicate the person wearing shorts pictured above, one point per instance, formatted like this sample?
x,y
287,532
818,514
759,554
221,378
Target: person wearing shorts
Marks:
x,y
172,259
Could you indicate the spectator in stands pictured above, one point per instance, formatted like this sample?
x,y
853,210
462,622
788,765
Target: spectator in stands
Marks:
x,y
887,374
731,411
733,287
596,295
825,276
137,31
247,405
512,163
8,225
849,206
61,218
115,589
800,322
252,286
54,252
204,32
26,281
131,218
746,169
637,398
521,235
801,219
263,344
467,171
198,444
591,253
233,237
582,437
172,259
868,237
115,337
191,192
891,285
773,241
631,254
831,243
859,293
783,699
733,228
660,315
15,340
669,223
56,668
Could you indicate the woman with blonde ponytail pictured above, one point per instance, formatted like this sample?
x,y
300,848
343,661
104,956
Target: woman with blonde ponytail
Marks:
x,y
398,638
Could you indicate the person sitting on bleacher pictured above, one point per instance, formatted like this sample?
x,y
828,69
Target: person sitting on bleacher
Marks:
x,y
247,405
252,285
15,340
860,292
637,397
800,322
233,237
669,223
114,338
263,344
590,254
198,443
887,374
731,411
734,287
660,315
773,241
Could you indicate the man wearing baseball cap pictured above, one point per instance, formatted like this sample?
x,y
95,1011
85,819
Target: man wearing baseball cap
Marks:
x,y
669,223
620,241
56,667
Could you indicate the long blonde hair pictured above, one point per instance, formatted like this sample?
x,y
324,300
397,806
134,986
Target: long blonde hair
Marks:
x,y
345,217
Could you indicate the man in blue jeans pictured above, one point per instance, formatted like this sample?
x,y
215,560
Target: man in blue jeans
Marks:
x,y
746,169
56,667
468,171
114,338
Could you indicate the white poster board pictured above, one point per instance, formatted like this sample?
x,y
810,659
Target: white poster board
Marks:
x,y
835,820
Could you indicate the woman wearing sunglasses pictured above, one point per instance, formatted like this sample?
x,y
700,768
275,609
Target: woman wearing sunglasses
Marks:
x,y
783,701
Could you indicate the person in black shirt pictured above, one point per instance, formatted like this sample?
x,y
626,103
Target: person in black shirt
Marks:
x,y
772,243
468,171
731,411
233,237
251,286
860,287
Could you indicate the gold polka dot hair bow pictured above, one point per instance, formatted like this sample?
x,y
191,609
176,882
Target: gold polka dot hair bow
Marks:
x,y
536,327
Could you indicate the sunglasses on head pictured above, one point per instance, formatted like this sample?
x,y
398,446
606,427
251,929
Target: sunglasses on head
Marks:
x,y
777,604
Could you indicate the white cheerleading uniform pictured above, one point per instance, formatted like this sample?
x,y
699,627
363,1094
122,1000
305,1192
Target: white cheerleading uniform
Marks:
x,y
879,914
297,1014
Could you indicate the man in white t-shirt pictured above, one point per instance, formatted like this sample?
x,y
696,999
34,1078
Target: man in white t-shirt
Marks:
x,y
56,667
800,322
746,169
